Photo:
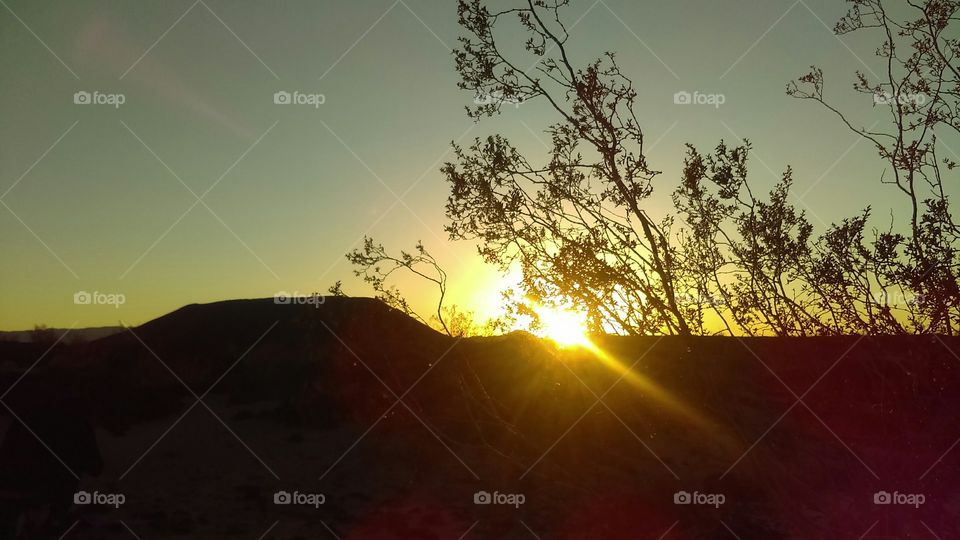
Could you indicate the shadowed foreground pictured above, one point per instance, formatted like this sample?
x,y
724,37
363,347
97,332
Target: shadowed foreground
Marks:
x,y
203,416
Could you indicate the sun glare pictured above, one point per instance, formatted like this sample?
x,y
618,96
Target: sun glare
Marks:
x,y
565,327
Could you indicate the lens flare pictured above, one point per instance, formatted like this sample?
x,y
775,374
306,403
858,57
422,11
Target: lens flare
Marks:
x,y
565,327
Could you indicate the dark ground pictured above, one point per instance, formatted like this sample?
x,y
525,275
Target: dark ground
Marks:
x,y
797,435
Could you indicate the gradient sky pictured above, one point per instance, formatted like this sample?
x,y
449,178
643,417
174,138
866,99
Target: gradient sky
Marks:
x,y
91,195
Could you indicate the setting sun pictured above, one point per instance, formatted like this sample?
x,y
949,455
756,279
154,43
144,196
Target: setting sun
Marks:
x,y
565,327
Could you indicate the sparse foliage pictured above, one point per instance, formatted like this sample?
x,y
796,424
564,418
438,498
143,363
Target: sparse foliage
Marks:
x,y
577,227
918,89
42,335
336,289
375,266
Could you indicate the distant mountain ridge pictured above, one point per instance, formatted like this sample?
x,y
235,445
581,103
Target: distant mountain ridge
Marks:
x,y
75,334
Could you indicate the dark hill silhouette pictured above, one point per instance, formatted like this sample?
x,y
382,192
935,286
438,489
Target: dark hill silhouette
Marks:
x,y
523,416
302,354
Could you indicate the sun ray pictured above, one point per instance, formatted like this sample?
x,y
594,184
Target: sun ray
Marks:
x,y
568,329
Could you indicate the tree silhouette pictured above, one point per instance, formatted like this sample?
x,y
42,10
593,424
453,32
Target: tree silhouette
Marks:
x,y
576,224
919,88
577,227
728,258
375,266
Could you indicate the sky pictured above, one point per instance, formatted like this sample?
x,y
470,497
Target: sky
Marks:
x,y
182,181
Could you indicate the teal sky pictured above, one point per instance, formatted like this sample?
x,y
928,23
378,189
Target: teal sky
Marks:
x,y
91,195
